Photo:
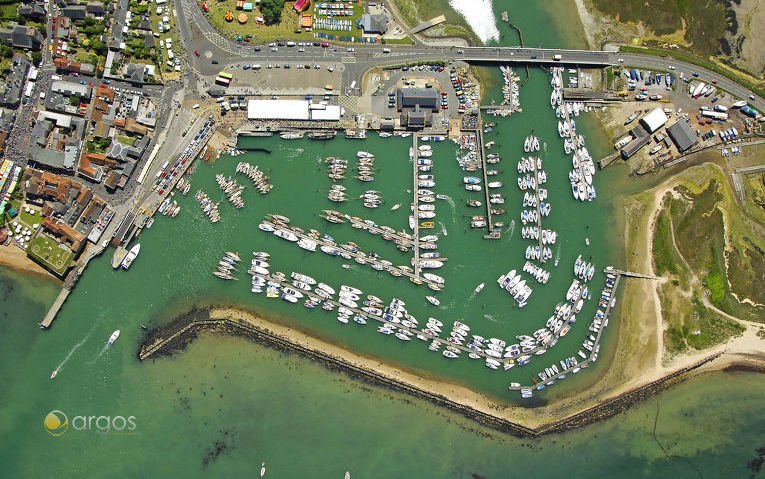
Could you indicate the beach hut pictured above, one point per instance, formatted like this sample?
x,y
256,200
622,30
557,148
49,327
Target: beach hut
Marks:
x,y
229,16
306,20
239,4
242,18
248,6
301,5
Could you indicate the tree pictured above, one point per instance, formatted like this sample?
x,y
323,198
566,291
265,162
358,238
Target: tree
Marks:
x,y
272,10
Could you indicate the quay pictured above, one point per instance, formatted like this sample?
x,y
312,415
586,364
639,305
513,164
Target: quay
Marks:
x,y
55,308
359,257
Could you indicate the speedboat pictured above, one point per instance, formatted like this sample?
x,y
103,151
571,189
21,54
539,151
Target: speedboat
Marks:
x,y
479,288
113,338
433,300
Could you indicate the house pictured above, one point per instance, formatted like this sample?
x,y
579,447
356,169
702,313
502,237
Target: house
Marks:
x,y
33,11
20,36
136,73
75,12
96,9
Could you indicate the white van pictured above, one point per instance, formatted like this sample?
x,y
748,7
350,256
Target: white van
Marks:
x,y
195,106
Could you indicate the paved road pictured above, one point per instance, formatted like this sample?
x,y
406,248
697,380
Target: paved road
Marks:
x,y
214,46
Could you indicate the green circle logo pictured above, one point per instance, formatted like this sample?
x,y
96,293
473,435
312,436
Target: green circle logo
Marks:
x,y
56,423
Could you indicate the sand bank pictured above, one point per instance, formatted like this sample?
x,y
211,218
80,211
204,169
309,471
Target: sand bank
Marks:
x,y
14,258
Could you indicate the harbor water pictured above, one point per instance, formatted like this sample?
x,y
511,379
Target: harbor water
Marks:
x,y
225,405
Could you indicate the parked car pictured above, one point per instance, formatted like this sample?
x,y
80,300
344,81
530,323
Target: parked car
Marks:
x,y
197,52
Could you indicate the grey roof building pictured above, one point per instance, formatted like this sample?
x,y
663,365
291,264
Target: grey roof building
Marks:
x,y
14,82
21,37
634,146
136,72
68,88
424,98
75,12
96,9
682,135
34,11
56,140
374,24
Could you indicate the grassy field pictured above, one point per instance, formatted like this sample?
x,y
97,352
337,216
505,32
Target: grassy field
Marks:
x,y
712,255
48,253
417,11
702,26
287,28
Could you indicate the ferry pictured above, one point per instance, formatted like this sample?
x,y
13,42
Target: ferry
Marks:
x,y
130,257
113,338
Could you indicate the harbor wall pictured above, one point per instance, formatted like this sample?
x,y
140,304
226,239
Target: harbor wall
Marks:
x,y
174,337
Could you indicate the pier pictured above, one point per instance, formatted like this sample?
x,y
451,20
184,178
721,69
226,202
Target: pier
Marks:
x,y
358,256
607,161
542,259
630,274
492,234
399,238
55,308
416,206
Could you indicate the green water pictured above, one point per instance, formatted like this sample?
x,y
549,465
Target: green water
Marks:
x,y
252,405
225,405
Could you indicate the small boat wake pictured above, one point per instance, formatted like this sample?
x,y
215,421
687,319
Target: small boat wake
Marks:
x,y
295,153
449,200
75,348
511,228
443,228
557,256
490,317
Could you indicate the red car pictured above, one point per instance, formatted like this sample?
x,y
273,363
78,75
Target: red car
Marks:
x,y
196,52
91,84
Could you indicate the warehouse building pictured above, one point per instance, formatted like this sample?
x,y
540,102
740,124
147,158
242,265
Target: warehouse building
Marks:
x,y
682,135
292,110
654,120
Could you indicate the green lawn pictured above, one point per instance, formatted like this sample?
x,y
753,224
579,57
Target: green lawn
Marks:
x,y
30,220
50,254
283,30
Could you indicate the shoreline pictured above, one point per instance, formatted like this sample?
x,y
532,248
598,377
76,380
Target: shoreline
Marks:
x,y
14,258
516,420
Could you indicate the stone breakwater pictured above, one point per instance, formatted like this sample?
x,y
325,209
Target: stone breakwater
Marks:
x,y
174,337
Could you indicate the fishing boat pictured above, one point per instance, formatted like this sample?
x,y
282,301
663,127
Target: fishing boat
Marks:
x,y
113,338
433,300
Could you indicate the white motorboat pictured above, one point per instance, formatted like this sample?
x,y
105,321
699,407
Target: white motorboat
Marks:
x,y
433,300
113,338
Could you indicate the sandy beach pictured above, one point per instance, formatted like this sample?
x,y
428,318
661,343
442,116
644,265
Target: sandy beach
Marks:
x,y
14,258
